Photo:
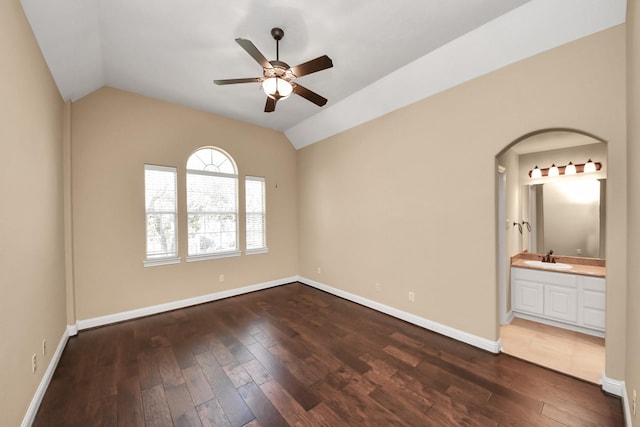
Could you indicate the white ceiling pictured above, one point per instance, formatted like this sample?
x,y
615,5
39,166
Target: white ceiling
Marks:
x,y
385,54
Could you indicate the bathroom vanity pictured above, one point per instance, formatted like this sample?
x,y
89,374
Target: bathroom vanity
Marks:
x,y
571,298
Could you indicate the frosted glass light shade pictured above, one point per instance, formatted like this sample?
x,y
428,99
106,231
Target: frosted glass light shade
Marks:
x,y
277,88
589,167
536,173
553,170
570,169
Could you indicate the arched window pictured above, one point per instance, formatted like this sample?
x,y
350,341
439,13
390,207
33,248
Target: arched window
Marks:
x,y
212,204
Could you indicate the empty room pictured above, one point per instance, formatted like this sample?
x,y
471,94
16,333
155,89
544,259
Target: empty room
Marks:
x,y
319,213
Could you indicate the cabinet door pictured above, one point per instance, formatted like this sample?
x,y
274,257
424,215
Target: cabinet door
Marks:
x,y
561,303
528,297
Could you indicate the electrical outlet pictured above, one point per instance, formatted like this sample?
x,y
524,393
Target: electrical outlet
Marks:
x,y
44,347
34,363
633,404
319,270
221,278
412,296
378,287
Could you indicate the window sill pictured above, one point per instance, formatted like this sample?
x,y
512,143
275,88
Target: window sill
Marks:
x,y
195,258
256,251
161,261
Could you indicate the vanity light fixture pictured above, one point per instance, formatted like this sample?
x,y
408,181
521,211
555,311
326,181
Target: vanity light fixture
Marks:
x,y
569,169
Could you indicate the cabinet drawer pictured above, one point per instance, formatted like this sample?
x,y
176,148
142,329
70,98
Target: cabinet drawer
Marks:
x,y
594,299
593,318
594,283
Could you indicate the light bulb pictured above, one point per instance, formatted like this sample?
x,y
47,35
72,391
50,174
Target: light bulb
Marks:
x,y
589,167
277,88
570,169
536,173
553,170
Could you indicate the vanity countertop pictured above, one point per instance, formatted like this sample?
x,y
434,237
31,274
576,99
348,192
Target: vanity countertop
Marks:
x,y
583,266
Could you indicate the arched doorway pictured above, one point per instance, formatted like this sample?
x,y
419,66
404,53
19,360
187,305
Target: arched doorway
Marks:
x,y
527,228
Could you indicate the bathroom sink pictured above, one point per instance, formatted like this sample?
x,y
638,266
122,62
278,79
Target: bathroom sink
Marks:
x,y
549,265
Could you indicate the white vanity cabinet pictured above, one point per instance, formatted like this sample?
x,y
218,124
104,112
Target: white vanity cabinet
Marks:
x,y
567,300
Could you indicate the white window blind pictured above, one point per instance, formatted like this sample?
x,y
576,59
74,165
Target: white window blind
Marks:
x,y
212,203
161,211
255,213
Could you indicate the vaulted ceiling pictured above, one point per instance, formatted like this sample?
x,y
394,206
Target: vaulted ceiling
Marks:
x,y
385,54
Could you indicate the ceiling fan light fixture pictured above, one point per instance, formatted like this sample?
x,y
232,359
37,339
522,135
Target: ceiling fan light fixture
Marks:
x,y
277,88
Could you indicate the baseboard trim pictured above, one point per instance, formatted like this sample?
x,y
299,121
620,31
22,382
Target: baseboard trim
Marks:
x,y
474,340
32,410
611,386
174,305
618,388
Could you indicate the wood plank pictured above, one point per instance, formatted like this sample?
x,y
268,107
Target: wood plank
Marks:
x,y
258,373
266,414
284,377
231,402
197,384
212,415
181,406
130,411
287,406
156,409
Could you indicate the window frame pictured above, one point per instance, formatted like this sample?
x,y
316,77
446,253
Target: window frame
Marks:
x,y
173,258
219,254
264,249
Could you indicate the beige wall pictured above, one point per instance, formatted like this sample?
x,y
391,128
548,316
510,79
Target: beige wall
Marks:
x,y
114,134
405,199
32,288
633,127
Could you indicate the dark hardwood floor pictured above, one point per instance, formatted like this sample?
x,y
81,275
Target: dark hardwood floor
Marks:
x,y
293,355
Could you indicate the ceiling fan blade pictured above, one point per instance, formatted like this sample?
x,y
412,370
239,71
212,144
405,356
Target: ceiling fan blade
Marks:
x,y
254,52
234,81
270,106
321,63
309,95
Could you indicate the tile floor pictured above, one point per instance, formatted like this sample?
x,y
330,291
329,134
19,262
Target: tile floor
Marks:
x,y
572,353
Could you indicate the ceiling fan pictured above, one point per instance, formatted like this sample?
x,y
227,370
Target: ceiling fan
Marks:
x,y
277,80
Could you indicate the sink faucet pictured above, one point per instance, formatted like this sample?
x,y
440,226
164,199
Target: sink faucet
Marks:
x,y
548,257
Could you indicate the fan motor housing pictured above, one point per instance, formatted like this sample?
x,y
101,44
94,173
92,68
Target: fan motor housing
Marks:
x,y
280,69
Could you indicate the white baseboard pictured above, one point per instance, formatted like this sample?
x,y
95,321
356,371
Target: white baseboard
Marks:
x,y
627,406
611,386
32,410
618,388
474,340
174,305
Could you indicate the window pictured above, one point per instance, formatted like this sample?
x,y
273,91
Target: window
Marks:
x,y
212,205
255,212
161,213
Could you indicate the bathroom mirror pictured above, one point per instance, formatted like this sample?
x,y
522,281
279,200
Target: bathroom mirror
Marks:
x,y
567,216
